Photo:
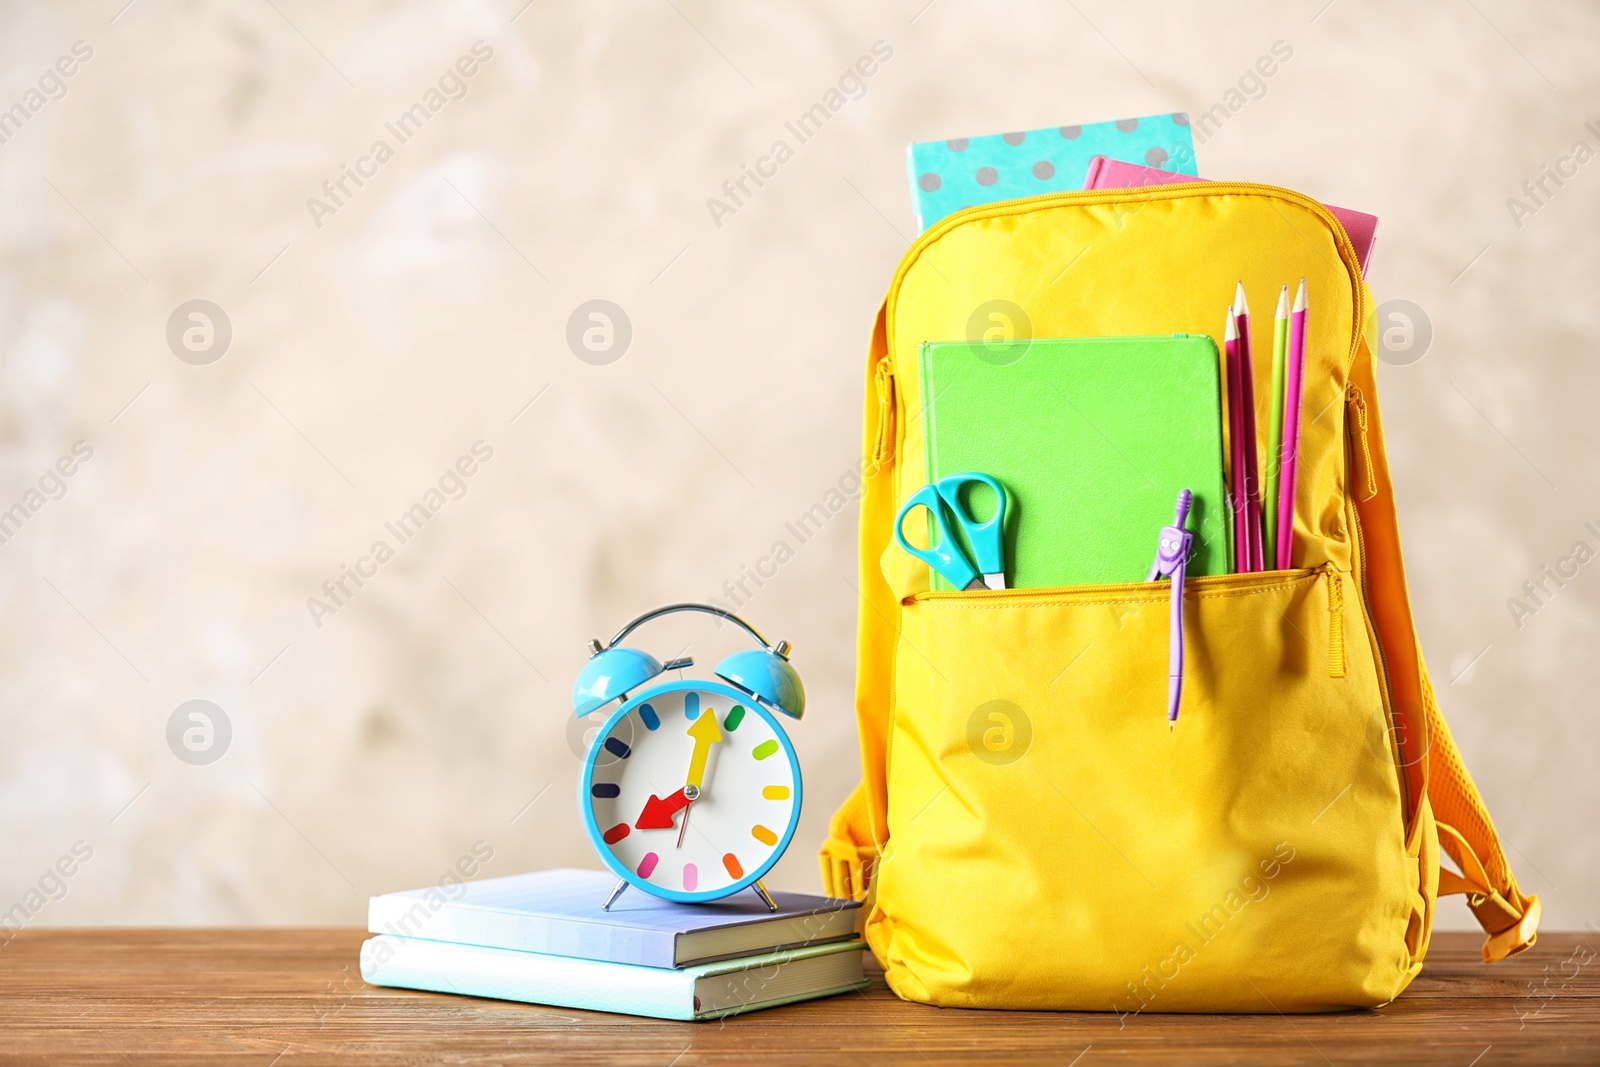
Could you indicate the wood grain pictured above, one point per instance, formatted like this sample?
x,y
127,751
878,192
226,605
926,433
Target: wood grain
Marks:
x,y
294,997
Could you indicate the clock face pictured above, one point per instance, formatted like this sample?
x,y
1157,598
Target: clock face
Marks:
x,y
692,792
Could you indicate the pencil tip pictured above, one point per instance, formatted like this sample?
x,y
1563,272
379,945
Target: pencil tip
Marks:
x,y
1283,302
1300,302
1241,307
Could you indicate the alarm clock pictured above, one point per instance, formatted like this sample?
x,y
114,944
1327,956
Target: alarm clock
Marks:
x,y
690,790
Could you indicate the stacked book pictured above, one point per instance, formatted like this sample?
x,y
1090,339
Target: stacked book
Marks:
x,y
544,938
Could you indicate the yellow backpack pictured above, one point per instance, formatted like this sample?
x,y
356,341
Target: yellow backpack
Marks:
x,y
1028,832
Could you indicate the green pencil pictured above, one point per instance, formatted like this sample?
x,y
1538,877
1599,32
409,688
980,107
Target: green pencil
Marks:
x,y
1280,356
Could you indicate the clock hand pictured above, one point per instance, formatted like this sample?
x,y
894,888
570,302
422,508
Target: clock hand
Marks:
x,y
706,733
683,827
658,812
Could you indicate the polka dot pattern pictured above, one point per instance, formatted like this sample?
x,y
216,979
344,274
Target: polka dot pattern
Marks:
x,y
949,175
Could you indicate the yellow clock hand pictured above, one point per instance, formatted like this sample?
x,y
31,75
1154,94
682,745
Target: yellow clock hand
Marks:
x,y
706,733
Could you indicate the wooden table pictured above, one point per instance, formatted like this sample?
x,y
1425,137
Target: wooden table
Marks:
x,y
293,997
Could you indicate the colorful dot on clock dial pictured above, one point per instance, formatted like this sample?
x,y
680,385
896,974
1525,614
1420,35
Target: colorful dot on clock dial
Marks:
x,y
691,877
618,749
605,789
776,792
735,717
762,751
762,834
691,705
647,865
652,721
731,862
616,833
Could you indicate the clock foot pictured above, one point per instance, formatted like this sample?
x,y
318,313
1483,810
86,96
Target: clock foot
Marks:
x,y
766,898
617,892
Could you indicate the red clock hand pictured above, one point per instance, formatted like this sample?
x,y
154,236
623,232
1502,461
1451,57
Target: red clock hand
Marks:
x,y
658,811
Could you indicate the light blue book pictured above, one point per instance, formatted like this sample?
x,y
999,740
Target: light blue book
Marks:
x,y
704,991
947,176
559,912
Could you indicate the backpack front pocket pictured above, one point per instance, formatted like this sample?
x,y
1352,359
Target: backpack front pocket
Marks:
x,y
1054,844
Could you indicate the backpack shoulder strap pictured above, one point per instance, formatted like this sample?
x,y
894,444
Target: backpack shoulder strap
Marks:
x,y
1510,918
859,829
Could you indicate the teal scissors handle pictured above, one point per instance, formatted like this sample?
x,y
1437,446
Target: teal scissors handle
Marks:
x,y
945,555
986,538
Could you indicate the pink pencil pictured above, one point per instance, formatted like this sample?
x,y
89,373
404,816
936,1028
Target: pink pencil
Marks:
x,y
1247,421
1291,426
1241,534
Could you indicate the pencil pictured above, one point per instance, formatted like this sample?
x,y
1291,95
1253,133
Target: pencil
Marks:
x,y
1292,386
1247,423
1236,495
1269,498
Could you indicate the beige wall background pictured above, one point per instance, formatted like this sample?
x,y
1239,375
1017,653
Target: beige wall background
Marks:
x,y
374,345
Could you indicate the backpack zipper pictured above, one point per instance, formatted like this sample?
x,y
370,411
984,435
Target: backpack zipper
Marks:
x,y
1110,591
1358,402
1336,660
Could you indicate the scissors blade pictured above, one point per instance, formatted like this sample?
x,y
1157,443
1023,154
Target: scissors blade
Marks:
x,y
993,580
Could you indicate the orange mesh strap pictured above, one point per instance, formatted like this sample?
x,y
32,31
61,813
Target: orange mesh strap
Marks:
x,y
1428,754
1468,837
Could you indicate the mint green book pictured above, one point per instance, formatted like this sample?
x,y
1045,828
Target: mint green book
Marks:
x,y
1092,438
700,991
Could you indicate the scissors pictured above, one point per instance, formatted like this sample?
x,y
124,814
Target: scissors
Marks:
x,y
945,555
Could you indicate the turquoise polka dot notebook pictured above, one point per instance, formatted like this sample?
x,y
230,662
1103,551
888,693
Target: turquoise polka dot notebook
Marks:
x,y
947,176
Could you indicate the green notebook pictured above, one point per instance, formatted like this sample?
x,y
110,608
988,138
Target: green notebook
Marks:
x,y
1093,438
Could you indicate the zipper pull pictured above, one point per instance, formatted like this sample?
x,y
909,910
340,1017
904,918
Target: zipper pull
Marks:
x,y
883,436
1354,399
1336,660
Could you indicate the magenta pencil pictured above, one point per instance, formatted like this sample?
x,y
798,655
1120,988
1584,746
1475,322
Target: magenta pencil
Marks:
x,y
1236,495
1292,385
1247,423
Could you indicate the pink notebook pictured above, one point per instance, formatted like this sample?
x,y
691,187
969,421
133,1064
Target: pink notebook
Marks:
x,y
1114,174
